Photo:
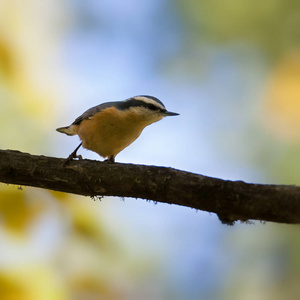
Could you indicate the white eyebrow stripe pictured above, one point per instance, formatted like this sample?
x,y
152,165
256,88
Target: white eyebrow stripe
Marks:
x,y
148,100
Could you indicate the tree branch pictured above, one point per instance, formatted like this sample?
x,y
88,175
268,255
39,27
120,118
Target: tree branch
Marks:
x,y
230,200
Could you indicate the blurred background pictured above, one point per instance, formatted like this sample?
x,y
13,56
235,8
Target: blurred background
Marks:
x,y
230,68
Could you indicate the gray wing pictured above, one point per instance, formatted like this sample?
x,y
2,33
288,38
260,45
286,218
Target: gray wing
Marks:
x,y
92,111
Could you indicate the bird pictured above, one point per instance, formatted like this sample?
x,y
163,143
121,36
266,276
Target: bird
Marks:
x,y
110,127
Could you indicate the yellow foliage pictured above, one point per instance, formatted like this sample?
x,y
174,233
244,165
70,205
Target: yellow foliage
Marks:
x,y
7,66
30,284
63,197
29,102
29,72
86,223
86,287
272,25
17,212
282,113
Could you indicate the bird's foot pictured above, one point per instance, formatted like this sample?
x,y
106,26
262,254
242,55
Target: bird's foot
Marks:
x,y
73,156
110,160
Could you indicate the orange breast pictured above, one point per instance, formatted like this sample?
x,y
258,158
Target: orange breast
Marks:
x,y
110,131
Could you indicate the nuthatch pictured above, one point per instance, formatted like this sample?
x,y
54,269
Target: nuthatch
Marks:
x,y
110,127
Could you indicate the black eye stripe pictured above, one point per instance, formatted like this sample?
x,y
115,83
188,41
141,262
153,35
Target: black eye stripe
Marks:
x,y
152,107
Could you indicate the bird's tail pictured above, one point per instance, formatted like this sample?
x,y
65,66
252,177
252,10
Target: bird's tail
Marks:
x,y
67,130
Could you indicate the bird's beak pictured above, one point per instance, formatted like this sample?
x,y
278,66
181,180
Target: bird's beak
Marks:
x,y
168,113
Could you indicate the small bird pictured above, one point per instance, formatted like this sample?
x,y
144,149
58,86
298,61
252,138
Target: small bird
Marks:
x,y
110,127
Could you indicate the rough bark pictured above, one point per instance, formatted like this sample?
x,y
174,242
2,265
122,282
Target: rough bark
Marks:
x,y
230,200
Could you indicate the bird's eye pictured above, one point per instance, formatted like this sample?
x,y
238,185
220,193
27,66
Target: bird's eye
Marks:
x,y
152,107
